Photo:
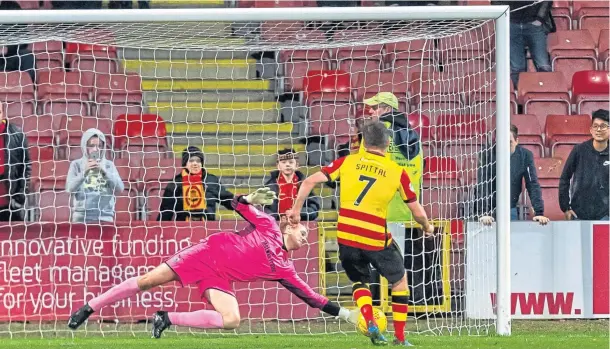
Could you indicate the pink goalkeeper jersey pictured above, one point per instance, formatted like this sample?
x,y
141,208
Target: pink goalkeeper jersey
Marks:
x,y
257,253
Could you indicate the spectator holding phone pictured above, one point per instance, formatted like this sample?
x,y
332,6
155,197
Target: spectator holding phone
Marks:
x,y
94,181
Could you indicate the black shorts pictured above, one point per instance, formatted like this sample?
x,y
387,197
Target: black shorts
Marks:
x,y
389,262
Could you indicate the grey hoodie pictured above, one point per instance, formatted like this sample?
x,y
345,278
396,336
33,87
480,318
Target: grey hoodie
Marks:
x,y
93,191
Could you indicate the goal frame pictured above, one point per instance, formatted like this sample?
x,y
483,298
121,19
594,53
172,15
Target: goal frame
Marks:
x,y
499,14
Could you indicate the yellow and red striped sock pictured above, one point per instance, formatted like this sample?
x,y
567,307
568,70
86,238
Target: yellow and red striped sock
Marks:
x,y
399,313
364,300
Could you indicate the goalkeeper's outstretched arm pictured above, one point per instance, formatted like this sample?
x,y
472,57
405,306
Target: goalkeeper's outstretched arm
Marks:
x,y
301,289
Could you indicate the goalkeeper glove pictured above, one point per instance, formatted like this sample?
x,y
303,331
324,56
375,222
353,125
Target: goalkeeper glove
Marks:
x,y
262,196
350,316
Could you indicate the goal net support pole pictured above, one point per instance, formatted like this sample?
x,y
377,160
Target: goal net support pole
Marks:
x,y
498,14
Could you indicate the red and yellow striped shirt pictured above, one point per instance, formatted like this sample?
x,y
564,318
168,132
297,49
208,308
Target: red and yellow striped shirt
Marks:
x,y
368,184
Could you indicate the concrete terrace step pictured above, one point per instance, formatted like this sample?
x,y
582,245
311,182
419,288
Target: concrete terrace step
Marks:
x,y
241,155
181,54
235,112
152,97
257,174
206,85
271,129
230,69
228,139
186,3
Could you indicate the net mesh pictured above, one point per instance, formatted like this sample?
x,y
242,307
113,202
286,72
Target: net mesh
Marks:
x,y
240,91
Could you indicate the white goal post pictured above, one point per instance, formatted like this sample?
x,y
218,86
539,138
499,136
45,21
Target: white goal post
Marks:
x,y
44,22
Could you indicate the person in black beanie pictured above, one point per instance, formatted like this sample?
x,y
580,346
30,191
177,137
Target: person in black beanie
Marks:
x,y
194,192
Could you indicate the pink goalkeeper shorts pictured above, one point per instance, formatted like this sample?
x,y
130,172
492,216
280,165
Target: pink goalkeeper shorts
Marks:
x,y
193,265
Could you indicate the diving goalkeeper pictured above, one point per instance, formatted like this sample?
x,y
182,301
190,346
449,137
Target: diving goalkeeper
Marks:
x,y
259,252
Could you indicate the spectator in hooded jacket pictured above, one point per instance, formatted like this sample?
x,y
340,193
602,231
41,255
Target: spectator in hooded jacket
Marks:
x,y
285,182
583,186
530,24
15,170
194,192
522,168
94,181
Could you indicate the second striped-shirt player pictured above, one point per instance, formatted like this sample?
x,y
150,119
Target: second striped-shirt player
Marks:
x,y
369,181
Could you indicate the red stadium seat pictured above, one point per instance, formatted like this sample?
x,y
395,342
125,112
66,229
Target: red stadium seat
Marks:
x,y
91,59
54,206
327,85
441,171
330,119
411,57
153,192
282,3
474,2
467,52
370,83
602,47
145,133
17,90
48,55
440,203
278,31
28,4
562,14
358,59
461,136
160,169
421,124
549,171
482,95
62,93
551,204
544,93
296,71
572,51
592,15
126,207
591,91
562,130
50,176
530,133
71,131
118,94
437,93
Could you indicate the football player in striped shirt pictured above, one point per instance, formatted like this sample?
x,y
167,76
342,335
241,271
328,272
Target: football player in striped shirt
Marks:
x,y
369,181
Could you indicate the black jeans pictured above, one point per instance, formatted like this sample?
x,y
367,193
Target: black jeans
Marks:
x,y
22,61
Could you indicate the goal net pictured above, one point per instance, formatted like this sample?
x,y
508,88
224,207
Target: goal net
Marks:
x,y
240,91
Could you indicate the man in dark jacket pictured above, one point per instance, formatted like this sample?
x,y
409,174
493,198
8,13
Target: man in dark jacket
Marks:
x,y
530,24
522,167
285,182
15,170
405,147
587,167
194,192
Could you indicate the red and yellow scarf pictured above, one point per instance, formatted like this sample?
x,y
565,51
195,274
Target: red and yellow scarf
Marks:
x,y
193,192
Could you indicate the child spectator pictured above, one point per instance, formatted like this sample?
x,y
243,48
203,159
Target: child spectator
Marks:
x,y
285,182
586,197
194,192
94,181
522,168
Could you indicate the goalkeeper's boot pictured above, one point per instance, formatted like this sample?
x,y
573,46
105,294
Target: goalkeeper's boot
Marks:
x,y
404,343
376,337
80,316
160,323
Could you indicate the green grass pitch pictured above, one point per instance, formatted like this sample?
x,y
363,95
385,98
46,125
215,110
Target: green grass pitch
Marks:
x,y
575,334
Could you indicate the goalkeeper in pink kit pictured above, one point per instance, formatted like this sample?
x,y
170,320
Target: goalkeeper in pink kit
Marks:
x,y
259,252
